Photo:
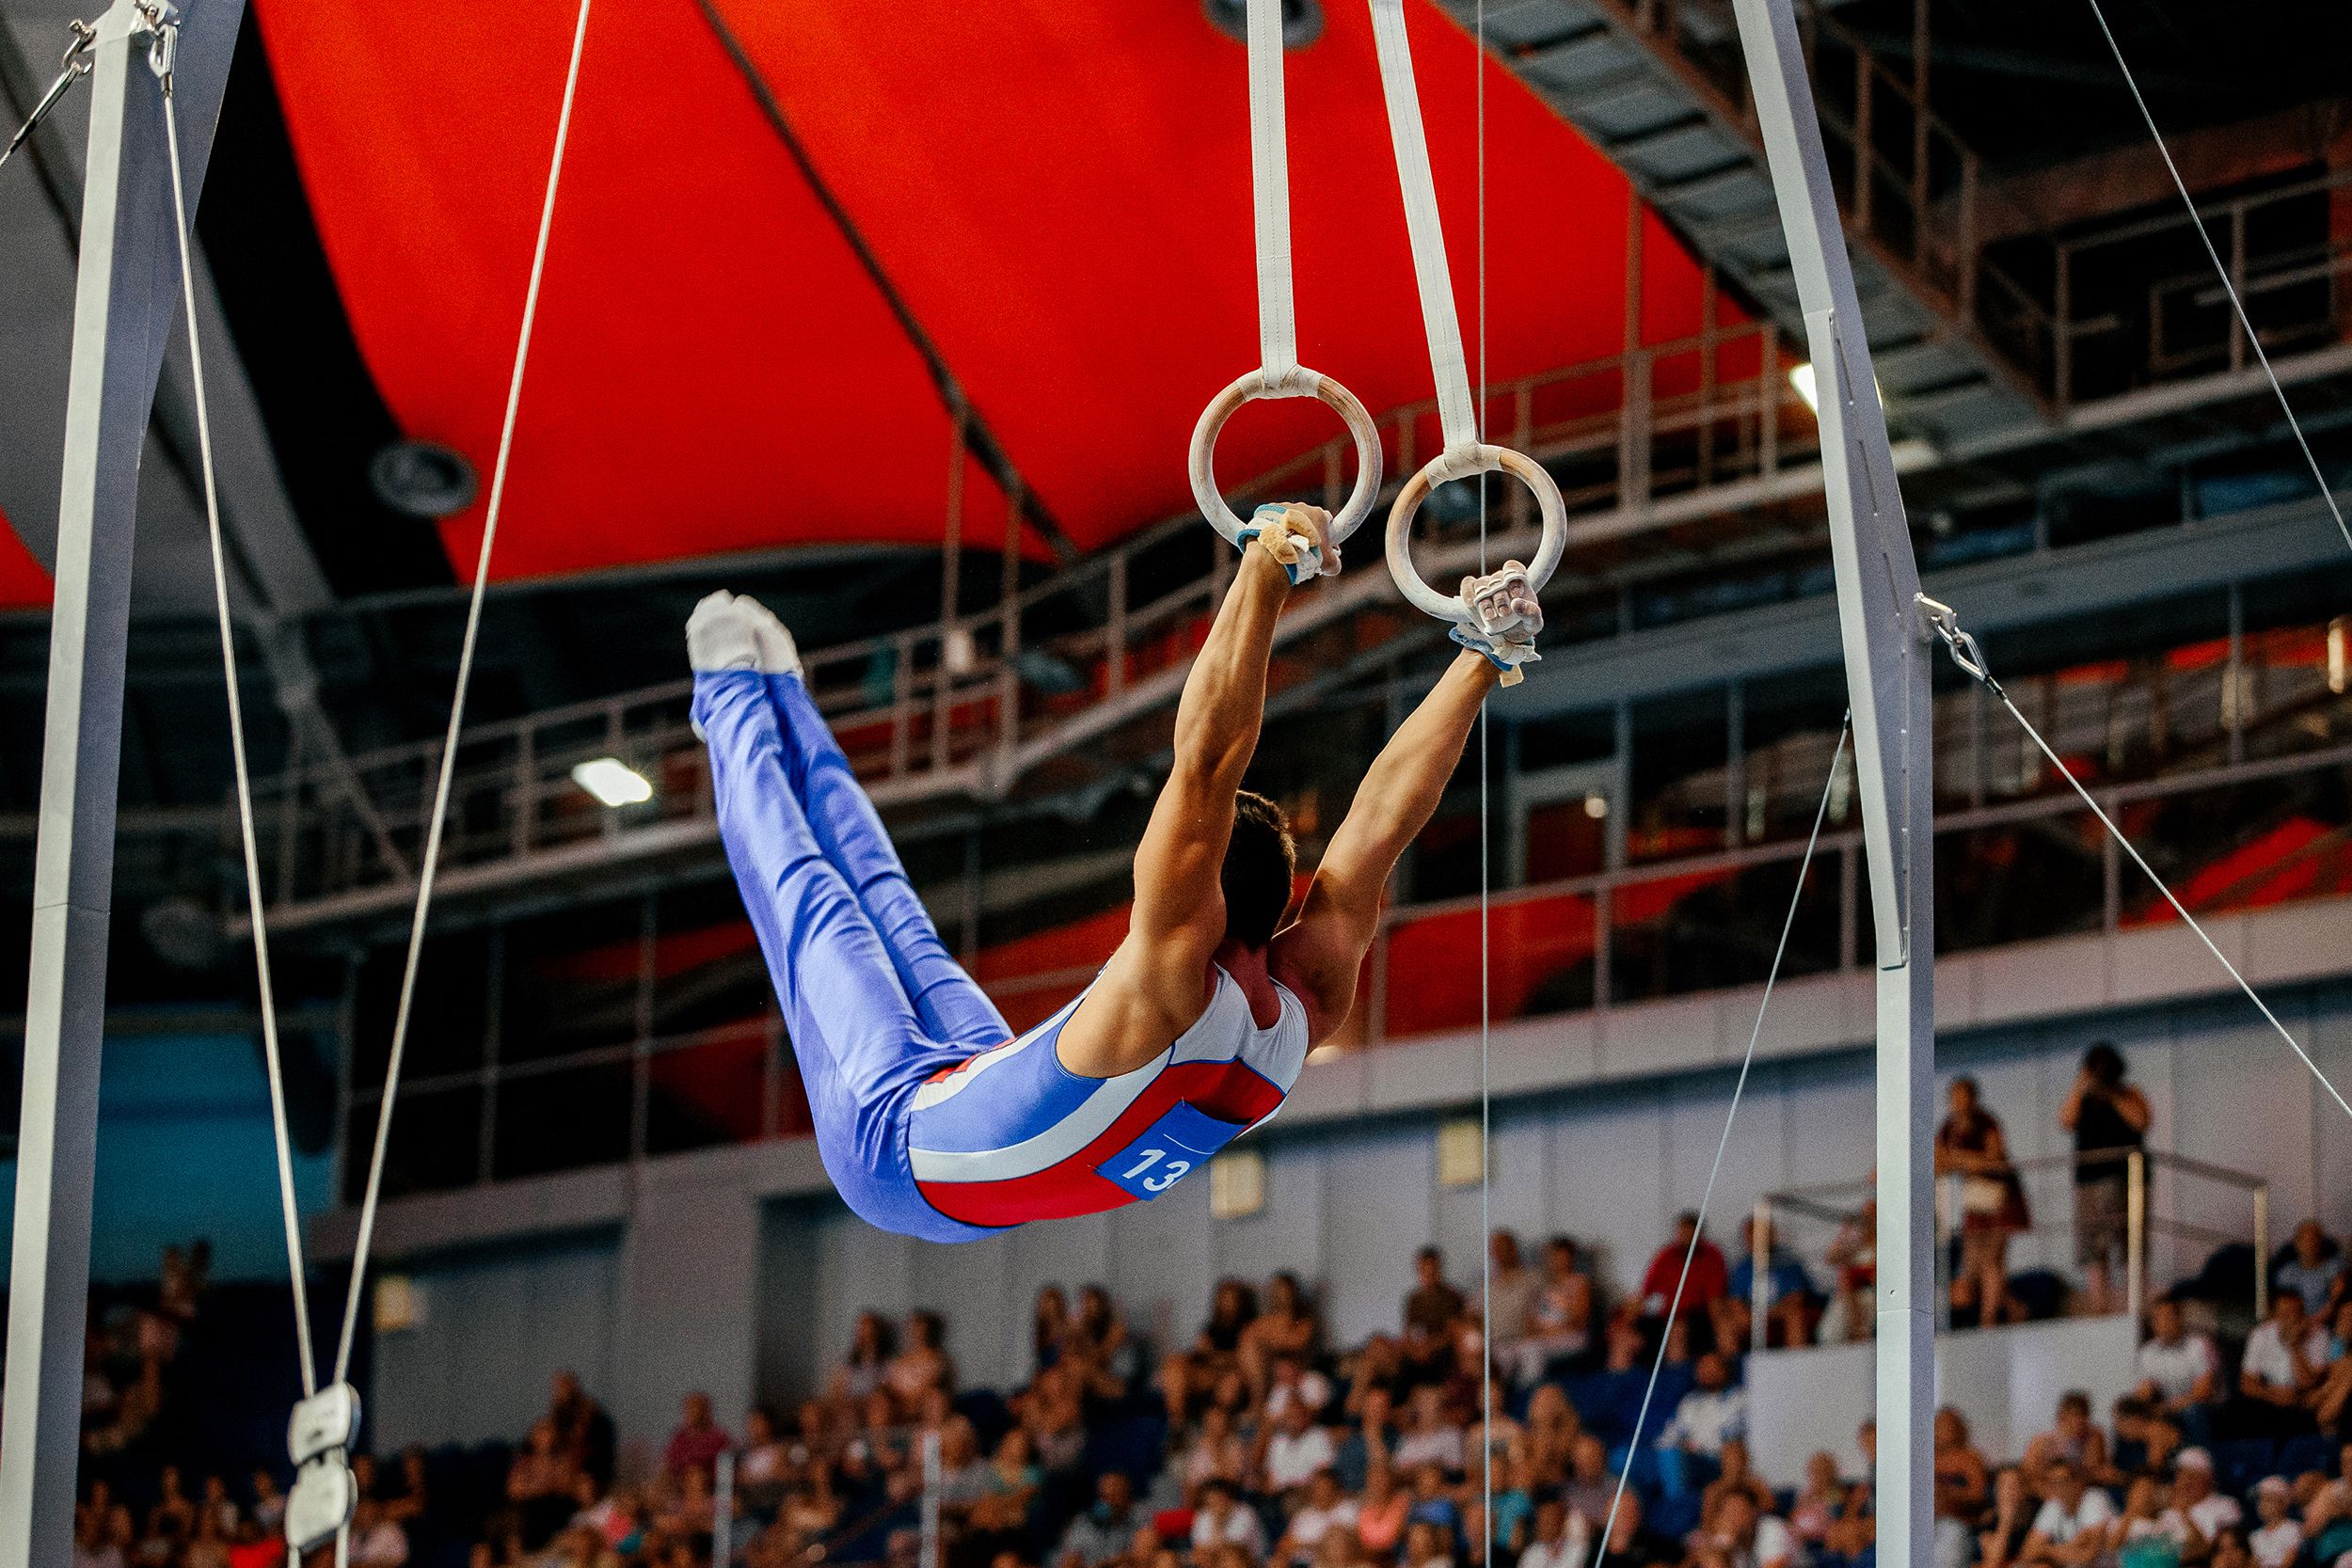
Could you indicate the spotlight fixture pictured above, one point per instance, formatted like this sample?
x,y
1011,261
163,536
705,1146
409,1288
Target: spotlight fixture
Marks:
x,y
614,782
1302,20
421,480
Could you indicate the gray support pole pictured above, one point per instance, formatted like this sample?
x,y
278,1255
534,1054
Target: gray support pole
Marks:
x,y
1887,667
125,300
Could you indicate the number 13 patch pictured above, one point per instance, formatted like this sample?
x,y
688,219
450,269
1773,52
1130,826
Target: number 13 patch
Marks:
x,y
1170,1149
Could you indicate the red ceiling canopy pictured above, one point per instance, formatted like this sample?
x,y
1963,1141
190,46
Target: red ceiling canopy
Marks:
x,y
1058,190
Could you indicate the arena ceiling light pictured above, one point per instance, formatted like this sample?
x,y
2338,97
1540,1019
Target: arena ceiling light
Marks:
x,y
614,782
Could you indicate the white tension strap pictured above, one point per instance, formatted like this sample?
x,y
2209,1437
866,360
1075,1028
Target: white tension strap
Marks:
x,y
1464,456
1279,373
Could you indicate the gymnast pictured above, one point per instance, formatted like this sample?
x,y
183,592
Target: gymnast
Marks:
x,y
932,1118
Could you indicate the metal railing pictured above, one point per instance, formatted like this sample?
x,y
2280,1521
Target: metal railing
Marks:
x,y
960,705
1839,1206
1581,943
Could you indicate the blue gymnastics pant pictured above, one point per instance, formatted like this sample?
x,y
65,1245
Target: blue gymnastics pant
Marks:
x,y
872,1000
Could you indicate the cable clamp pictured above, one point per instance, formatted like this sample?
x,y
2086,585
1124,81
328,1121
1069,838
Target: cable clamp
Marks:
x,y
319,1436
1943,621
77,65
163,46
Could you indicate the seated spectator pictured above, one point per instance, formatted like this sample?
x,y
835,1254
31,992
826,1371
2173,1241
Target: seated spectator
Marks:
x,y
1512,1514
2180,1372
1223,1519
269,1503
1381,1517
1788,1299
256,1547
376,1542
173,1511
2075,1438
1590,1483
1324,1510
210,1548
1049,1328
1963,1483
2331,1397
2231,1550
1691,1445
217,1503
2280,1540
1738,1534
1296,1450
2281,1366
2145,1439
1709,1277
1736,1475
924,1366
1187,1377
1433,1501
1558,1320
764,1469
91,1548
1553,1429
2312,1269
2011,1519
2070,1529
1560,1537
1292,1380
1432,1434
2199,1513
1101,1534
1615,1395
1426,1546
1819,1501
1056,1422
540,1485
409,1496
2140,1538
1631,1542
1287,1327
2328,1515
1853,1534
1216,1452
1851,1315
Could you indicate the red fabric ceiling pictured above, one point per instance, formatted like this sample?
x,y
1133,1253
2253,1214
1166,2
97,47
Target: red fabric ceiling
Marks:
x,y
22,584
1058,188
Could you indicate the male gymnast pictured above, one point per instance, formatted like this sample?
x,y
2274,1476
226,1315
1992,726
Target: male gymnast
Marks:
x,y
932,1118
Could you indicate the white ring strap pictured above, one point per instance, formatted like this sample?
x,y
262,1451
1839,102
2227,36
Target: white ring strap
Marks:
x,y
1279,373
1270,192
1456,414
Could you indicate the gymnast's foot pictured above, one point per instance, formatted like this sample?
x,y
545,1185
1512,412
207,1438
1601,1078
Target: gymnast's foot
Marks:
x,y
728,631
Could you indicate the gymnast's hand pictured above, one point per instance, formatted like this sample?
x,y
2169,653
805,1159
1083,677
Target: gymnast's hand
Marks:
x,y
1298,537
1505,604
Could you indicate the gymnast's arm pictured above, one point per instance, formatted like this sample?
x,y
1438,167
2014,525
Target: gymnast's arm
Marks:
x,y
1320,954
1157,983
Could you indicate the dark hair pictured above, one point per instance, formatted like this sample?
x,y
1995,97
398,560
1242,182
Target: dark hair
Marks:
x,y
2105,1063
1260,862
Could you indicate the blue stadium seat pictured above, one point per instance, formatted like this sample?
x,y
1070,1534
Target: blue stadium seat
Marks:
x,y
2243,1461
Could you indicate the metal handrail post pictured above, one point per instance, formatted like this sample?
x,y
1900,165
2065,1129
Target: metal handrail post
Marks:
x,y
2261,1252
2136,1234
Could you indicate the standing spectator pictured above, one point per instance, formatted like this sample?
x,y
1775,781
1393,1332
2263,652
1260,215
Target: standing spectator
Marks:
x,y
1563,1537
1971,1145
2070,1530
2312,1269
2280,1540
584,1433
540,1485
1691,1448
2109,1118
1709,1275
2180,1372
2281,1366
698,1441
1511,1287
1432,1308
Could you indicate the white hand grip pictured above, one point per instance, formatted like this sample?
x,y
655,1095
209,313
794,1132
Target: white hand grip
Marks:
x,y
1302,383
1462,464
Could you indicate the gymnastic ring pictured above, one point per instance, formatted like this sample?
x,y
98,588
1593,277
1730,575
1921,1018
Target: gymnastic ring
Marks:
x,y
1302,383
1462,463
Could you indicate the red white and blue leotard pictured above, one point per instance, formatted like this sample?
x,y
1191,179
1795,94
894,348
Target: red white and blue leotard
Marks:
x,y
1012,1135
931,1121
